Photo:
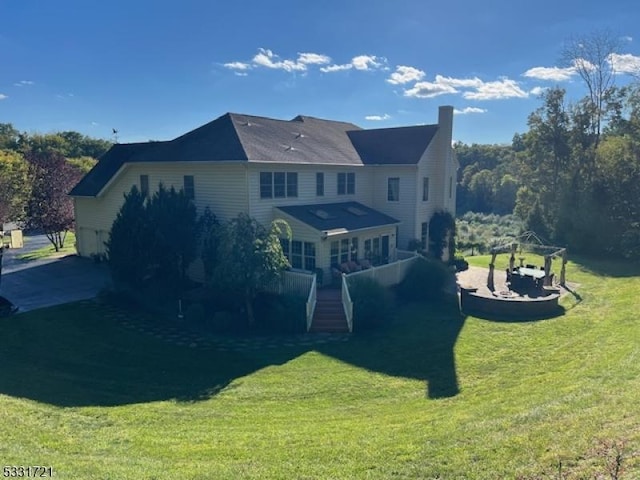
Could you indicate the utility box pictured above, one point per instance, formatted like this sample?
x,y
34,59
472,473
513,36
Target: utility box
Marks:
x,y
16,239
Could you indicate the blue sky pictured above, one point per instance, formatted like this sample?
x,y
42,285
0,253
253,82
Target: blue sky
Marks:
x,y
156,69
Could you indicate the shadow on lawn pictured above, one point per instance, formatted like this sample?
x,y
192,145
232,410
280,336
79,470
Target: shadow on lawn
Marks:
x,y
608,267
74,355
420,345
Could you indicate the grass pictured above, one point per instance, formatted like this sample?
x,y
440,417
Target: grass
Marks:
x,y
435,395
48,251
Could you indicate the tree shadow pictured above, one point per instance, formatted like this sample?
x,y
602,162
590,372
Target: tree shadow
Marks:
x,y
419,345
604,267
79,355
72,356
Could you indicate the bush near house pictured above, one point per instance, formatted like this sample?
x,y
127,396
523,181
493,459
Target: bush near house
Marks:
x,y
372,304
425,280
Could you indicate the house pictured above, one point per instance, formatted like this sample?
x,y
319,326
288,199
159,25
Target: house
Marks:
x,y
349,194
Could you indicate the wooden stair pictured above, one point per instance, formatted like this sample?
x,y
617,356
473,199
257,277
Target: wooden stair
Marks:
x,y
329,314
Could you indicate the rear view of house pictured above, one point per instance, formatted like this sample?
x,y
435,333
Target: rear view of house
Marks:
x,y
351,196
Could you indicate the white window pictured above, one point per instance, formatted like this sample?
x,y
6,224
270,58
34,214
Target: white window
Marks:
x,y
425,189
424,236
278,184
346,183
393,189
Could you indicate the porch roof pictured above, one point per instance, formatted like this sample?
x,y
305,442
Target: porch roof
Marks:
x,y
336,218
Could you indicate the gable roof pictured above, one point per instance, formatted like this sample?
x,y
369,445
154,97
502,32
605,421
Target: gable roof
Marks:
x,y
392,146
108,165
347,216
248,138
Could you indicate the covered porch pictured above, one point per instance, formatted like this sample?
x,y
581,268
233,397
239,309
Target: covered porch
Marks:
x,y
336,238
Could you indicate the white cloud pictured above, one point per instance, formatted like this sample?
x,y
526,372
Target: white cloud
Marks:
x,y
23,83
429,90
627,38
3,96
405,74
498,90
237,66
536,91
368,62
467,110
361,62
441,86
378,118
336,68
313,59
625,63
459,82
555,74
266,58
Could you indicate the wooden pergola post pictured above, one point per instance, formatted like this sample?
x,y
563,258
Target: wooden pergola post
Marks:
x,y
563,269
490,280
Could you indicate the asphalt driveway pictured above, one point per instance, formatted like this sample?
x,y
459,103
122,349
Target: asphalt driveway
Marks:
x,y
43,283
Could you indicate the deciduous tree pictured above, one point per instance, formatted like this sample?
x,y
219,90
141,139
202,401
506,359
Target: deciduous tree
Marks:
x,y
50,209
250,256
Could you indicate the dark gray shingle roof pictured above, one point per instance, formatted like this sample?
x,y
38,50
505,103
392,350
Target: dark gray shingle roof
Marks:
x,y
333,216
392,146
302,140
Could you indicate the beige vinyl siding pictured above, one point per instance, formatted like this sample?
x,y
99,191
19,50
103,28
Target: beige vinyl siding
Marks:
x,y
402,210
262,208
222,186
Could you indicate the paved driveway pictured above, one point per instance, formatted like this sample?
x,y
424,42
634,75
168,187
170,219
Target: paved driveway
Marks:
x,y
43,283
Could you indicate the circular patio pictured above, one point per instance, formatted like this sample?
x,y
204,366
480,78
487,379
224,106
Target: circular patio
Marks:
x,y
503,303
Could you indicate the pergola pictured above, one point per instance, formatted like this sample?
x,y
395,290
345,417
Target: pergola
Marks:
x,y
529,240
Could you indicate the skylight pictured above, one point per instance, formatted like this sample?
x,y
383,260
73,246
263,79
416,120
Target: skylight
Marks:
x,y
356,211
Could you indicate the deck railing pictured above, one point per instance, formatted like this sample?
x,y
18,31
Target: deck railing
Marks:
x,y
311,301
347,304
292,283
389,274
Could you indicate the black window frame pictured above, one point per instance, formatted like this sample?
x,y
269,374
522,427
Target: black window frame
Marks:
x,y
189,187
144,185
266,184
319,184
393,196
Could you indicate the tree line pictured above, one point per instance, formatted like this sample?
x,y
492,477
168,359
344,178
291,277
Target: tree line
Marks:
x,y
574,176
36,173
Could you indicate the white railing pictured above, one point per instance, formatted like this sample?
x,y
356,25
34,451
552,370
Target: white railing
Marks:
x,y
389,274
347,304
311,302
292,283
404,254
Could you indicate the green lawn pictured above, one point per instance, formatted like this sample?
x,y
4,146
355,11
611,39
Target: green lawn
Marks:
x,y
48,251
436,395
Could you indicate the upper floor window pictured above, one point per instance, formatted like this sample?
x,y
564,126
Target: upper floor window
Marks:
x,y
189,187
319,184
393,189
450,186
346,183
266,185
278,184
425,189
144,185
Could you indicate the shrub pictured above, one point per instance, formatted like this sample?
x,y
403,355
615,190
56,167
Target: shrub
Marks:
x,y
371,303
425,280
460,263
280,313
